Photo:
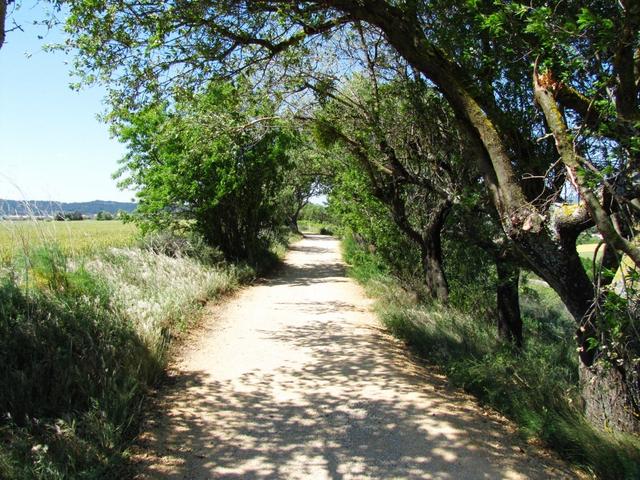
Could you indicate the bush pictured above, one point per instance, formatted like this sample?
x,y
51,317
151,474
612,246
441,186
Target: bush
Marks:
x,y
104,215
472,278
72,369
68,216
362,266
244,168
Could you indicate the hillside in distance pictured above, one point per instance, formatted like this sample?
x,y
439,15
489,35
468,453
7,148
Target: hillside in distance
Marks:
x,y
50,208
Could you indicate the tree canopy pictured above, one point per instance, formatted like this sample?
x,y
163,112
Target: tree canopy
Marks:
x,y
214,161
544,98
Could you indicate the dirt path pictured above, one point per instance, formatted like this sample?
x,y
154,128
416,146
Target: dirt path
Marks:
x,y
295,379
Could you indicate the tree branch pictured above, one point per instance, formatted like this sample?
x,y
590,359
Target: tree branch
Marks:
x,y
275,48
574,163
3,19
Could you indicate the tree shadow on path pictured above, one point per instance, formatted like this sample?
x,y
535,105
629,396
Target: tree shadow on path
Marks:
x,y
351,405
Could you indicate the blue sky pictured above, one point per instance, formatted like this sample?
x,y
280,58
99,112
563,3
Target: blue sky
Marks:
x,y
52,147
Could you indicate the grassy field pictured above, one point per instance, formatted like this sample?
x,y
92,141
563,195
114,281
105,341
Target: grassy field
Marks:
x,y
80,237
587,250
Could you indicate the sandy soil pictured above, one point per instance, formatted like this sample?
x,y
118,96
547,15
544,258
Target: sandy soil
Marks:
x,y
294,378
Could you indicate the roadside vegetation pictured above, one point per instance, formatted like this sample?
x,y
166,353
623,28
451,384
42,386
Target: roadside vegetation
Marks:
x,y
88,310
463,148
83,336
537,386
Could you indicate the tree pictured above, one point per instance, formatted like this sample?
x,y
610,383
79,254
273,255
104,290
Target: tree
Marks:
x,y
3,18
405,139
368,126
416,168
473,226
305,178
213,162
584,84
68,216
104,215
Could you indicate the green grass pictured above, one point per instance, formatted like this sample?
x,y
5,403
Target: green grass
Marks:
x,y
312,227
82,338
74,238
537,388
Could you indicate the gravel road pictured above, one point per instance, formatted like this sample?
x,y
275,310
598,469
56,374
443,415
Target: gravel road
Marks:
x,y
294,378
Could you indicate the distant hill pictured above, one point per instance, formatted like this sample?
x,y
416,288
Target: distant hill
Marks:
x,y
46,208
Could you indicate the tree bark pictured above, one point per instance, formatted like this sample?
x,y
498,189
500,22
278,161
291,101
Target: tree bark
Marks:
x,y
508,302
293,226
293,223
3,17
576,165
432,266
431,253
611,402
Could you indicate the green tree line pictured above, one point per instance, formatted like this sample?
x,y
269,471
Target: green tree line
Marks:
x,y
545,99
444,133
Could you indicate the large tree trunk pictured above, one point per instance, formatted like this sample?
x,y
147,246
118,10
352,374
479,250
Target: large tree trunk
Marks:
x,y
611,397
611,393
301,202
3,15
427,238
432,266
508,302
293,224
431,253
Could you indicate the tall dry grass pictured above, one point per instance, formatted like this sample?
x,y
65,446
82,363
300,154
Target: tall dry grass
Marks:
x,y
82,338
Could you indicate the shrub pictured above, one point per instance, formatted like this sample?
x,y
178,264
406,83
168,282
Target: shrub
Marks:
x,y
244,167
189,245
104,215
68,216
72,371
